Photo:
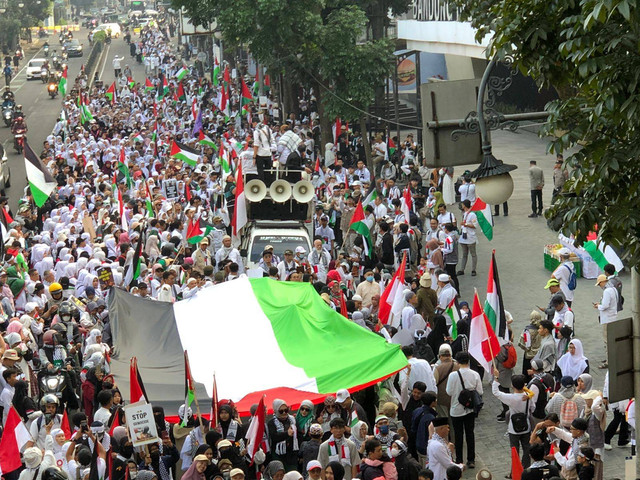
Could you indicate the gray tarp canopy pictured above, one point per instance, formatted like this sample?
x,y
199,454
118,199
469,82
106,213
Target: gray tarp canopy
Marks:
x,y
146,329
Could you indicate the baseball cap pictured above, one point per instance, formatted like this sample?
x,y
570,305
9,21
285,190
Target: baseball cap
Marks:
x,y
342,395
10,354
236,471
601,278
313,464
300,250
553,282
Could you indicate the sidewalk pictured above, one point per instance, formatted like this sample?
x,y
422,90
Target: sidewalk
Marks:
x,y
519,242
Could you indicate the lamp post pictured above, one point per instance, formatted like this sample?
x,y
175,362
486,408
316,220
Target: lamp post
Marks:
x,y
493,181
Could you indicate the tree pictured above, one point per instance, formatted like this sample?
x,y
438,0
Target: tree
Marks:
x,y
315,43
588,51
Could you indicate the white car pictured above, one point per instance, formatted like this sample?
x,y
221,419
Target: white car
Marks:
x,y
34,67
114,27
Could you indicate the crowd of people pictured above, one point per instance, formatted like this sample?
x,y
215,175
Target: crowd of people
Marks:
x,y
111,158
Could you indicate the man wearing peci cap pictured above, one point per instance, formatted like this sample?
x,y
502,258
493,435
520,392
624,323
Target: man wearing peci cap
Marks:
x,y
447,294
287,266
607,307
439,450
326,234
577,437
563,274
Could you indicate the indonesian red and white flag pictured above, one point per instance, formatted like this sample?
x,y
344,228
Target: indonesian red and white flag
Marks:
x,y
406,205
392,300
255,433
483,343
337,128
240,209
123,213
13,439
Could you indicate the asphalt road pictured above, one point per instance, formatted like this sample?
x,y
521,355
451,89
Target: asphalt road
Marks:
x,y
42,111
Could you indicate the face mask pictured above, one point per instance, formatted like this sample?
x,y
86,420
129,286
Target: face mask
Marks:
x,y
369,279
133,475
127,451
394,452
155,455
226,475
384,429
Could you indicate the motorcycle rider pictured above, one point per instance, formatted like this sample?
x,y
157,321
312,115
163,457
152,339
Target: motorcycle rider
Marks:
x,y
17,112
8,95
18,126
49,406
46,48
57,294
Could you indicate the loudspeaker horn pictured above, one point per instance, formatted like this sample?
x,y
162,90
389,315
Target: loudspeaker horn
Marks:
x,y
280,191
255,191
303,191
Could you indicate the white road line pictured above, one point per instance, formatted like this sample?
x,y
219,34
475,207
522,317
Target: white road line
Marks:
x,y
104,64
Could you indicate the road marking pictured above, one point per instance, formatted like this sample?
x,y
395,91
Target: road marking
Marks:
x,y
106,56
22,70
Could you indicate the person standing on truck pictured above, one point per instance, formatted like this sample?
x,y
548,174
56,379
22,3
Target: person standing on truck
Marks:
x,y
228,252
325,232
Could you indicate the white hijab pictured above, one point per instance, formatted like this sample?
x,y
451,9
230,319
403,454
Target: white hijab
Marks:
x,y
573,365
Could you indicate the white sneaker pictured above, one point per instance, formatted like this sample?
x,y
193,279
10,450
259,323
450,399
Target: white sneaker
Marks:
x,y
608,447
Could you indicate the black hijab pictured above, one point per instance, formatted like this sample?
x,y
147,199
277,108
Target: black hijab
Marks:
x,y
438,333
337,469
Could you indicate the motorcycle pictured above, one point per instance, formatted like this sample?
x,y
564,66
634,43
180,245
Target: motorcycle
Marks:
x,y
53,90
7,115
19,54
65,56
54,383
44,74
18,140
46,51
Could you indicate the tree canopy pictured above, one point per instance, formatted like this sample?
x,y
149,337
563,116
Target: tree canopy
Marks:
x,y
588,51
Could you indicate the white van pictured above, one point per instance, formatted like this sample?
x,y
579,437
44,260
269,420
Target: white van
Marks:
x,y
114,27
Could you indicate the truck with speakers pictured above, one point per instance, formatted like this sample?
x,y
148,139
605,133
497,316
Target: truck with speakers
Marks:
x,y
279,216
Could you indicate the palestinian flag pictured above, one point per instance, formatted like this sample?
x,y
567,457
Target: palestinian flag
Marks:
x,y
600,252
493,305
181,95
186,154
289,328
391,147
195,234
353,419
216,72
62,85
189,389
148,85
131,82
453,313
85,114
373,194
206,141
111,93
485,219
148,202
124,169
137,393
133,270
256,84
180,74
163,87
246,97
267,83
41,182
224,160
357,224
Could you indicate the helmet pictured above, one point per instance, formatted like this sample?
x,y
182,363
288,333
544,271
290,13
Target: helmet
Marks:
x,y
54,473
49,399
49,337
59,327
55,287
19,107
65,311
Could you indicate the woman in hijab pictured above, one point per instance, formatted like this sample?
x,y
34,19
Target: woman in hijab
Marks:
x,y
406,466
227,426
359,435
283,436
334,471
596,415
461,343
304,419
439,333
573,363
211,469
328,412
23,403
274,471
90,389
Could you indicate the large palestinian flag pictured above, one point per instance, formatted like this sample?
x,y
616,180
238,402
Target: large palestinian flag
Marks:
x,y
41,182
259,336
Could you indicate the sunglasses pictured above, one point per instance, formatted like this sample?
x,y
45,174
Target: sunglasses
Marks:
x,y
283,411
305,409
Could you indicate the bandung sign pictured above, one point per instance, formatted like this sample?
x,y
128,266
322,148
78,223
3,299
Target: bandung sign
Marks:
x,y
434,11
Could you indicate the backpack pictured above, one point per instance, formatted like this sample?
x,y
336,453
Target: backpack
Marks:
x,y
541,402
512,357
470,399
573,280
520,420
568,412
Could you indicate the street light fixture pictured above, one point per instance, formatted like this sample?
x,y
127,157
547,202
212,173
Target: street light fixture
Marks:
x,y
20,5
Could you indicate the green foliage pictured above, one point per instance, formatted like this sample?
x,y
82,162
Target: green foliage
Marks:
x,y
311,41
588,50
99,36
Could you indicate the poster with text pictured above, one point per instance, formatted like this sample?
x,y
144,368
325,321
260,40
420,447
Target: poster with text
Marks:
x,y
141,424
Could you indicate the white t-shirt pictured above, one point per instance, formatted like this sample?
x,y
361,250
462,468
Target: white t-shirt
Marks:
x,y
563,275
